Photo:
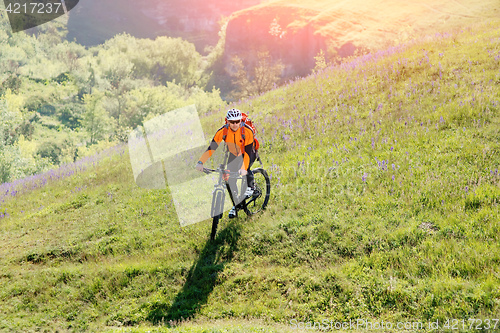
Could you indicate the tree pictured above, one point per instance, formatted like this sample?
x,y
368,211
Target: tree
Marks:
x,y
95,121
266,73
240,78
146,102
163,60
71,114
50,150
320,62
175,61
68,53
11,82
214,64
275,29
118,74
262,77
11,117
11,161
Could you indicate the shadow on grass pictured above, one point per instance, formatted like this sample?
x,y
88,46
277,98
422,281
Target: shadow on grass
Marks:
x,y
201,279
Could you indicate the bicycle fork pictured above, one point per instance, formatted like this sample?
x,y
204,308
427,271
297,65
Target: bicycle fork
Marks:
x,y
218,198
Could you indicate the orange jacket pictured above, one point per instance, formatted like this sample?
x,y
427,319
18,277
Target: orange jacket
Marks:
x,y
234,142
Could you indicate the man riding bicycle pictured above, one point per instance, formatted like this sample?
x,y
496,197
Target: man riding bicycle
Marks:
x,y
239,138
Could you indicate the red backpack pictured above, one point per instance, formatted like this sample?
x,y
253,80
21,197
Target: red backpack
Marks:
x,y
244,121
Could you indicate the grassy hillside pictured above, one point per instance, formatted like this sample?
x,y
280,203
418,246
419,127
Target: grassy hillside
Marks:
x,y
384,207
296,31
368,24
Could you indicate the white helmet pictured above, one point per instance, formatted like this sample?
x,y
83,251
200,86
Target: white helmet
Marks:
x,y
233,114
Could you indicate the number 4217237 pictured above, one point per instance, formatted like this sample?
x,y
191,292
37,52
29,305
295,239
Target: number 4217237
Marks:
x,y
34,8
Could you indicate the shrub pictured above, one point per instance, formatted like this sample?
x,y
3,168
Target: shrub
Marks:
x,y
50,150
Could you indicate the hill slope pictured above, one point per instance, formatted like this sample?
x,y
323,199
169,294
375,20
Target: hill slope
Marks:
x,y
93,22
384,207
296,30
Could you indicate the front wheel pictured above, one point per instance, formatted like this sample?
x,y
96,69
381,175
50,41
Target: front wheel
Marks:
x,y
215,222
217,209
260,198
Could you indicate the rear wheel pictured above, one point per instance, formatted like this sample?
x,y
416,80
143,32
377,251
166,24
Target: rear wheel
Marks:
x,y
260,198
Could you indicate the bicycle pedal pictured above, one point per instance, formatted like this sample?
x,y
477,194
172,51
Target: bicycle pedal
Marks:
x,y
233,213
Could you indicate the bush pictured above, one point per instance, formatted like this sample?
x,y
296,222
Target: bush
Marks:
x,y
71,115
50,150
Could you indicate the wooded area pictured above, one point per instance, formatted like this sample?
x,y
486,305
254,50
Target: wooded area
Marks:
x,y
60,100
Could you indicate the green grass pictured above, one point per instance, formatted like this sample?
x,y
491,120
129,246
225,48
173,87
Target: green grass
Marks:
x,y
384,207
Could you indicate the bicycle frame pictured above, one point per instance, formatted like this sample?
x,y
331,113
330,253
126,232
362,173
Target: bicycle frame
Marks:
x,y
222,185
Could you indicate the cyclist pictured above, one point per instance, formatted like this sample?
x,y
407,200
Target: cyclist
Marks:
x,y
239,139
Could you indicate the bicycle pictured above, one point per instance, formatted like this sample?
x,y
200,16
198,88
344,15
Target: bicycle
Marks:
x,y
251,205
